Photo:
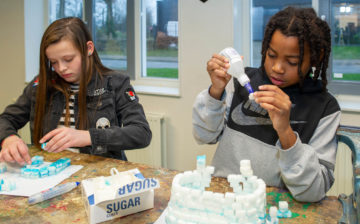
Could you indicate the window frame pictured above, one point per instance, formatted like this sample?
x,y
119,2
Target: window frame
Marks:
x,y
336,86
149,85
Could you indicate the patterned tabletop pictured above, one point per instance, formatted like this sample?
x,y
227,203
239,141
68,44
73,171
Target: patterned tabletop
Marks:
x,y
69,208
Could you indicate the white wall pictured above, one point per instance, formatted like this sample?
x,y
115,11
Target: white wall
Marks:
x,y
204,29
12,56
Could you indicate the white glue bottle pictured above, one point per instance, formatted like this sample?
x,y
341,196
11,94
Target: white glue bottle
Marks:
x,y
237,69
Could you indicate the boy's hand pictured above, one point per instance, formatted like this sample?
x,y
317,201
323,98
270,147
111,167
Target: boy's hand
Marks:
x,y
278,105
64,137
217,68
14,149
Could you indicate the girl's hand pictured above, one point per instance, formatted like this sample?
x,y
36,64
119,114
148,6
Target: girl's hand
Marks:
x,y
64,137
278,105
14,149
217,68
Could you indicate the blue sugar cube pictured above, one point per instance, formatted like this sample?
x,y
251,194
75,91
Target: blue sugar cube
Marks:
x,y
65,161
286,214
284,211
52,170
43,145
34,173
26,172
61,164
57,164
201,162
44,171
36,161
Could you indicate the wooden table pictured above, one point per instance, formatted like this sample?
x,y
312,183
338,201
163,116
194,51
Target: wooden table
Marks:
x,y
69,208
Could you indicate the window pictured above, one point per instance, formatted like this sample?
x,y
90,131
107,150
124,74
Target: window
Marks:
x,y
64,8
139,37
110,32
160,39
346,41
343,18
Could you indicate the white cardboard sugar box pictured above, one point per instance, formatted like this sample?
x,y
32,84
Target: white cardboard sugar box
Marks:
x,y
122,194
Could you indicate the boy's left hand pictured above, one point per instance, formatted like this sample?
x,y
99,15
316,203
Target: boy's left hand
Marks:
x,y
64,137
278,105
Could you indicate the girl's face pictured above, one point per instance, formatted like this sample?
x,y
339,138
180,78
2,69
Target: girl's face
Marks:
x,y
282,60
66,60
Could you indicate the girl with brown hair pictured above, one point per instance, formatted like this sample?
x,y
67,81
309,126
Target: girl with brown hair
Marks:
x,y
74,102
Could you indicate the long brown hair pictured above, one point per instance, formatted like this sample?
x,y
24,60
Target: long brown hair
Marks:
x,y
73,29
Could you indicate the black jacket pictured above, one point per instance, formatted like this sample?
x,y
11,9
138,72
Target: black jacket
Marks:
x,y
112,100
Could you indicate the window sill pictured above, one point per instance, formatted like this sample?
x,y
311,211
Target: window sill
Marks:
x,y
349,103
157,90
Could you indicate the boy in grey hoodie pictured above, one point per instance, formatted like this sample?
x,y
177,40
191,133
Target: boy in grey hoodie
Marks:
x,y
289,130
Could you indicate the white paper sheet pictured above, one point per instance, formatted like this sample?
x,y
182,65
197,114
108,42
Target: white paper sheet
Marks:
x,y
27,187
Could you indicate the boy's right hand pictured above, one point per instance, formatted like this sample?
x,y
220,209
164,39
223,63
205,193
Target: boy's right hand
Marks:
x,y
14,149
217,68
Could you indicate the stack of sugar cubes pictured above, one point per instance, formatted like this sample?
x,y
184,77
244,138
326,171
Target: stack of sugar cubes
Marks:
x,y
38,169
191,203
6,184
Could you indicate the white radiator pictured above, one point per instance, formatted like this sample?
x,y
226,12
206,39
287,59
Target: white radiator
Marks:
x,y
155,153
343,172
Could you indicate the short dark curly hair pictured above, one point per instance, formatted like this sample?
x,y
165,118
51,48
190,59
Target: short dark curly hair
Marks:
x,y
304,24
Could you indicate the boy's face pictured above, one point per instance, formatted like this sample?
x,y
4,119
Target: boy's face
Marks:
x,y
66,60
282,60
